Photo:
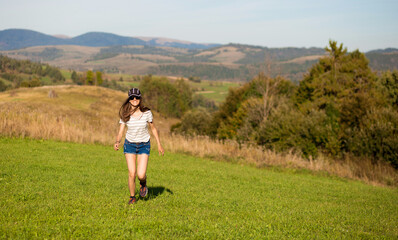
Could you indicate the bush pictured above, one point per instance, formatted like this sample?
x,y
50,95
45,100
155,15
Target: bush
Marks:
x,y
378,138
193,123
165,97
199,101
24,83
3,86
288,129
35,82
389,81
246,120
194,79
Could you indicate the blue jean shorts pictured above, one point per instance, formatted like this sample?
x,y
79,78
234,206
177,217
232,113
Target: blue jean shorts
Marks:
x,y
137,148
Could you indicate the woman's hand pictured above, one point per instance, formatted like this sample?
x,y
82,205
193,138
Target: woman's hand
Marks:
x,y
156,134
116,146
161,150
119,137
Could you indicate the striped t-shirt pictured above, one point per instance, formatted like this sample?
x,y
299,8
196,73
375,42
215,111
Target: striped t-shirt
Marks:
x,y
137,127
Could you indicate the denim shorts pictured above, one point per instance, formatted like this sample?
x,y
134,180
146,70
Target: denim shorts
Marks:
x,y
137,148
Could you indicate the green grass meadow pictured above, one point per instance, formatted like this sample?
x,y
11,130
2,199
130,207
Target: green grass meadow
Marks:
x,y
61,190
66,73
130,84
216,91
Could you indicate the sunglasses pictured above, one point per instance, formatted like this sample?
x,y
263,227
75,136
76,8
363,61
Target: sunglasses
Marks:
x,y
132,98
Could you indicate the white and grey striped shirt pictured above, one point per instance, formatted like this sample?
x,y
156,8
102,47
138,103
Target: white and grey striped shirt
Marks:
x,y
137,128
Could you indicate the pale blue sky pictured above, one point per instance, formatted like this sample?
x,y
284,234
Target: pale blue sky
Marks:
x,y
363,24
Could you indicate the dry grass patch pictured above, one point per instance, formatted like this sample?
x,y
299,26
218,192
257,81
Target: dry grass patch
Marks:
x,y
205,53
83,114
228,55
155,57
304,59
123,62
77,114
360,169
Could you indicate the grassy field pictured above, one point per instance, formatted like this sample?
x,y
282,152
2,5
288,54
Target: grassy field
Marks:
x,y
130,84
66,73
61,190
216,91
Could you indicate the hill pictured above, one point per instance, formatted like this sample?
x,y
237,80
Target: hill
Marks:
x,y
387,50
11,39
18,38
72,115
231,62
224,63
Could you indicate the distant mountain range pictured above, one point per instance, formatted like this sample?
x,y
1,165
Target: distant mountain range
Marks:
x,y
12,39
111,53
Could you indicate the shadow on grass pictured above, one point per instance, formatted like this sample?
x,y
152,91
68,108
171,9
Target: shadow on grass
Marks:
x,y
154,192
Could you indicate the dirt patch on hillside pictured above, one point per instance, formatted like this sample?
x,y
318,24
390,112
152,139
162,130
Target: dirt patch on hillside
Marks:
x,y
205,53
304,59
153,57
228,55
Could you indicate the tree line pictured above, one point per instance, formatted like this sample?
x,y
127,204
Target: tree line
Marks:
x,y
26,73
202,70
15,72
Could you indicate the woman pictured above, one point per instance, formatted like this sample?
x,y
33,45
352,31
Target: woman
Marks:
x,y
137,144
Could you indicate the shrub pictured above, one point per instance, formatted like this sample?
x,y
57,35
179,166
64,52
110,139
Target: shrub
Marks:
x,y
3,86
24,83
389,81
289,128
378,138
199,101
35,82
195,122
165,97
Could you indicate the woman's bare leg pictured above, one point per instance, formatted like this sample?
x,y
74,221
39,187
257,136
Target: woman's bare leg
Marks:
x,y
142,164
131,159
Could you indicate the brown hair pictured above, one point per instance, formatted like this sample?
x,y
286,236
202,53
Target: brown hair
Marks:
x,y
126,110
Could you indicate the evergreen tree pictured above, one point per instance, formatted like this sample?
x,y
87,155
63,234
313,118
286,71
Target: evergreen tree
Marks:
x,y
334,79
3,86
99,79
75,77
89,77
185,94
389,81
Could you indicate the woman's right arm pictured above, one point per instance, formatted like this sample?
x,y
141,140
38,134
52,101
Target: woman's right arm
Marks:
x,y
119,136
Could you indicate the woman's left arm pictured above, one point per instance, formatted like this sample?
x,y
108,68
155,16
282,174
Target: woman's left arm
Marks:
x,y
156,134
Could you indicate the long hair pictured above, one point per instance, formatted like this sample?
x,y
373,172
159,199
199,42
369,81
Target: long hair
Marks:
x,y
126,110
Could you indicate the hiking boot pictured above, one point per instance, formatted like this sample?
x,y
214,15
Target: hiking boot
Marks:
x,y
132,200
143,191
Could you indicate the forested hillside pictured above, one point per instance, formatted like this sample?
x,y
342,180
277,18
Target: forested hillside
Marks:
x,y
17,73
